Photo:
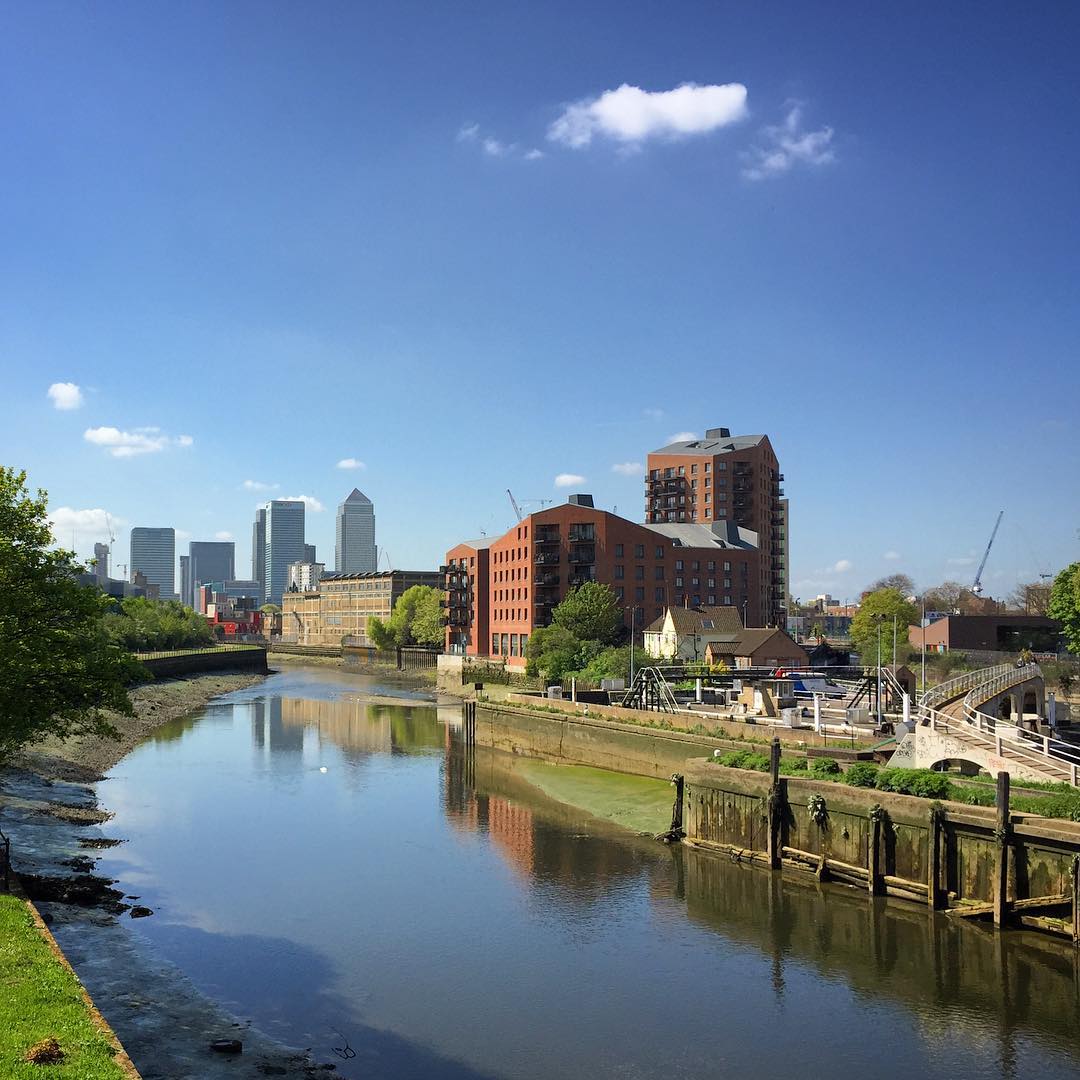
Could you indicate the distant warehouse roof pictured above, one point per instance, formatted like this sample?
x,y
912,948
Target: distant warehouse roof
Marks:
x,y
720,534
716,441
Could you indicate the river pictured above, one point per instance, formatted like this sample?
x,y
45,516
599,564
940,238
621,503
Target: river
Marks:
x,y
329,864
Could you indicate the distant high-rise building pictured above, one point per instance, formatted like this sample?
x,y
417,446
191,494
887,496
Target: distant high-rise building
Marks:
x,y
258,551
309,553
101,563
186,588
355,551
211,560
153,554
284,545
305,576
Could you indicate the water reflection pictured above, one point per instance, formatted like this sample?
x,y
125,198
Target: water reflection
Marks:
x,y
444,899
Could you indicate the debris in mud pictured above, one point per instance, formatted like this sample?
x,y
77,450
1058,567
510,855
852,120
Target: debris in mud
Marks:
x,y
77,815
227,1046
82,890
81,864
98,842
140,912
46,1052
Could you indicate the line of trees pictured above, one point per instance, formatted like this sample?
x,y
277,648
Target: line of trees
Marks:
x,y
417,619
141,625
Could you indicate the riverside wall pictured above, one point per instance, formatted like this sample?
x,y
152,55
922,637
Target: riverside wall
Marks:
x,y
196,662
983,860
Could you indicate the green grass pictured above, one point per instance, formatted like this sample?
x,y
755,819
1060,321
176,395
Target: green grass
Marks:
x,y
40,998
638,803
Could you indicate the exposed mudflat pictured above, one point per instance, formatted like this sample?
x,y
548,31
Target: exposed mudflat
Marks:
x,y
51,813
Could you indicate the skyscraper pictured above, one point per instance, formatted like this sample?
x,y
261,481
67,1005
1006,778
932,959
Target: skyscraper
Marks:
x,y
284,545
187,591
153,554
355,551
101,563
258,551
211,560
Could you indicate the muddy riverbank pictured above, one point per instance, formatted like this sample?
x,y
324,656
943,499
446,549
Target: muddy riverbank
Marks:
x,y
50,810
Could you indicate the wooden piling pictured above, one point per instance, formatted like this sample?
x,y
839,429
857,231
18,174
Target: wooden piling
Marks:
x,y
773,840
933,862
1076,901
1001,870
873,862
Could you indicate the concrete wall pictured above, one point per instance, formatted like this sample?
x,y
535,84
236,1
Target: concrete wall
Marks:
x,y
171,667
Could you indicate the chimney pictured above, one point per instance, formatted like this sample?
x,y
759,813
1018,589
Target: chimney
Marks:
x,y
580,500
718,433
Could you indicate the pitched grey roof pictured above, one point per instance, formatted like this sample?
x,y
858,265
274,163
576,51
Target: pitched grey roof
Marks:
x,y
720,534
708,619
712,446
356,496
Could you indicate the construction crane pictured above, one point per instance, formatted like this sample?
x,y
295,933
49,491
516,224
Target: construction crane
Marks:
x,y
513,503
977,588
527,502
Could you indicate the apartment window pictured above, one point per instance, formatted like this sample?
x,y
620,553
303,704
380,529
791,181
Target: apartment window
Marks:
x,y
722,466
505,644
654,474
706,498
678,564
721,496
659,594
618,551
678,583
693,485
682,470
513,644
524,643
727,583
620,572
639,594
708,481
707,465
697,600
727,567
696,565
639,573
712,601
693,470
712,583
658,573
727,601
659,552
695,581
669,473
639,551
619,592
721,511
494,644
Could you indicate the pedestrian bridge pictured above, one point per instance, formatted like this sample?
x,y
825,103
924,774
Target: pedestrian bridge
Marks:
x,y
989,719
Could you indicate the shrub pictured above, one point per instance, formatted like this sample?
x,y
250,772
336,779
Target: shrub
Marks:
x,y
744,759
862,774
824,768
925,783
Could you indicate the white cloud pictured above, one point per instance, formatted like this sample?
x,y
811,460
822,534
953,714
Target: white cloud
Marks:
x,y
224,534
841,566
494,147
96,522
65,395
182,534
629,468
782,146
683,436
892,556
630,115
258,485
140,440
961,560
569,479
351,463
309,501
653,414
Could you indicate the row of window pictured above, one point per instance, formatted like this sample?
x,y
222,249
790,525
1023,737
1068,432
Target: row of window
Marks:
x,y
511,594
671,472
509,644
711,599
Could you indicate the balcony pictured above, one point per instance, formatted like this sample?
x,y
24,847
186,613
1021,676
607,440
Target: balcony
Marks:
x,y
546,536
547,558
542,580
583,556
582,577
582,534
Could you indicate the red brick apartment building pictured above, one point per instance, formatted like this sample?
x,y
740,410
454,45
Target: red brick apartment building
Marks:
x,y
500,590
727,479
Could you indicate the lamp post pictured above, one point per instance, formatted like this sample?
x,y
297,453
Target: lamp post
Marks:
x,y
878,619
633,612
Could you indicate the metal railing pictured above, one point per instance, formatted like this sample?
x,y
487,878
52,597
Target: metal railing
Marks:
x,y
1054,758
165,654
953,688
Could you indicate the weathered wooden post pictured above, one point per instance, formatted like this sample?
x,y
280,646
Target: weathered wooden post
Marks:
x,y
1076,899
775,806
873,862
933,858
1001,834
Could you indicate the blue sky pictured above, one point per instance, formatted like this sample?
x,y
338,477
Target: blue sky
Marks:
x,y
441,241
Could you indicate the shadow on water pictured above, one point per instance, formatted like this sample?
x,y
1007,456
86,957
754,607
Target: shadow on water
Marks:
x,y
226,966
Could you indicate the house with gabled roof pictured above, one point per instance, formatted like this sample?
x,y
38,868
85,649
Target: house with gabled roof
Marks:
x,y
682,633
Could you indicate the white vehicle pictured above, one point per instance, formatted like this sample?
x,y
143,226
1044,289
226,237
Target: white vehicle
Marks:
x,y
808,683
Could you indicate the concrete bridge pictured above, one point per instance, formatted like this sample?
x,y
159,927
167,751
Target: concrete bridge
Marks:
x,y
990,720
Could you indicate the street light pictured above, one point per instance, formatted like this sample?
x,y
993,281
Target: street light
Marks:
x,y
633,612
879,619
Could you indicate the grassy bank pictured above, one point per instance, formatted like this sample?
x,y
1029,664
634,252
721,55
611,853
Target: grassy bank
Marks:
x,y
638,803
41,999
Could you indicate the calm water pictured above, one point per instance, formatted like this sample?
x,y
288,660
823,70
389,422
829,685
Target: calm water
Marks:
x,y
448,921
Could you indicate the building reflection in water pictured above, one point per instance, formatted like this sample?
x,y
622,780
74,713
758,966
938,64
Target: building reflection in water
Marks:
x,y
357,727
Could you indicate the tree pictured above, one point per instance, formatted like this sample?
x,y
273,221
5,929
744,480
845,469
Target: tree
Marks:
x,y
138,624
900,582
591,612
1032,598
417,619
553,651
1065,604
878,609
58,669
